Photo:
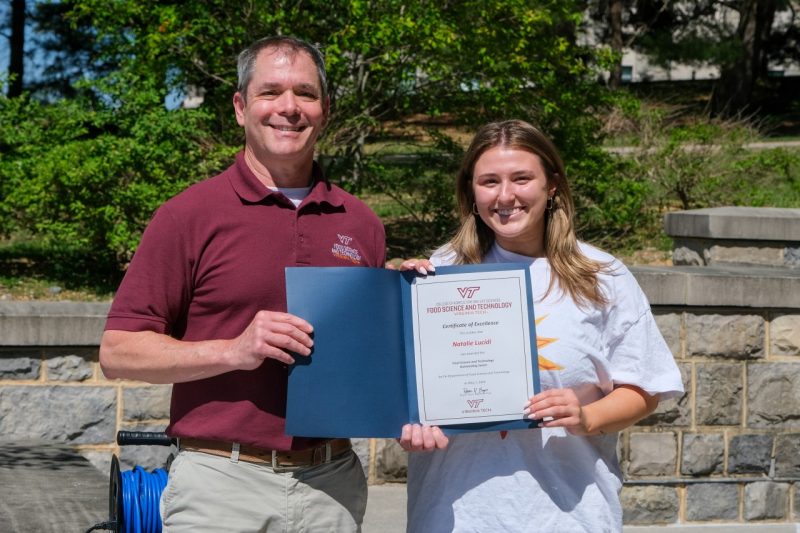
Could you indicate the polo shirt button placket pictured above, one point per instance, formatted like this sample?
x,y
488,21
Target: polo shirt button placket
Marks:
x,y
303,255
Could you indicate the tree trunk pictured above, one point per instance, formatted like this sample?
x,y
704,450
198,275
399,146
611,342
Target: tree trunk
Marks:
x,y
16,64
615,27
733,92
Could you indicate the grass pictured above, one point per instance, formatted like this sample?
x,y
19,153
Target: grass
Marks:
x,y
33,270
386,207
32,288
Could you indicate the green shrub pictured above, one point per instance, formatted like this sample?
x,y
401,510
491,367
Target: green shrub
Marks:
x,y
698,162
85,177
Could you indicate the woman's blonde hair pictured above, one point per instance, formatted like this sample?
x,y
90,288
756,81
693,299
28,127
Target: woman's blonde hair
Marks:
x,y
576,274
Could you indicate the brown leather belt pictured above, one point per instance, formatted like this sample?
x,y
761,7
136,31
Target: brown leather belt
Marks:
x,y
274,458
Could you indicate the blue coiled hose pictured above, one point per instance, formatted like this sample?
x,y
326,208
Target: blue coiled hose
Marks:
x,y
141,492
134,495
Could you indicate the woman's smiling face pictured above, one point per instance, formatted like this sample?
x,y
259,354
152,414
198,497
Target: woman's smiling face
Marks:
x,y
511,191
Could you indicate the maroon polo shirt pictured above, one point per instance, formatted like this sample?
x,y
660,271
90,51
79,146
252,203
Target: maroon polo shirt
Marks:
x,y
212,257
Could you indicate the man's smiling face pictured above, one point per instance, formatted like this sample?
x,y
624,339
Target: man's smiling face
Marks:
x,y
283,111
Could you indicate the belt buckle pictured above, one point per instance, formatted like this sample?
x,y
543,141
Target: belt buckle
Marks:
x,y
274,459
317,457
321,454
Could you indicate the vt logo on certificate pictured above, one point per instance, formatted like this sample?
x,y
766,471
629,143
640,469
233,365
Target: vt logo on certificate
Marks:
x,y
454,349
468,292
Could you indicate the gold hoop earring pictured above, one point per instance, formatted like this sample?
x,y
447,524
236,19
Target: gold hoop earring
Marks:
x,y
550,203
474,209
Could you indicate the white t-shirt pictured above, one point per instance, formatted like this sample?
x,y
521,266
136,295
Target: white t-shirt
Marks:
x,y
296,195
548,479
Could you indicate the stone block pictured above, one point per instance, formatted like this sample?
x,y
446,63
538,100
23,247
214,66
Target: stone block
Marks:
x,y
147,456
75,415
361,447
653,454
773,395
787,455
755,288
69,368
19,367
662,285
649,504
391,461
796,503
744,253
101,460
791,257
719,398
669,324
735,222
749,454
149,402
766,500
712,501
676,412
785,335
702,454
729,336
689,252
34,323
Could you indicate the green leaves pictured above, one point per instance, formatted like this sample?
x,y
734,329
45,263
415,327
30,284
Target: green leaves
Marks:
x,y
91,170
92,178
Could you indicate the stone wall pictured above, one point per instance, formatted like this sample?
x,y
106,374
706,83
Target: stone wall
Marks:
x,y
727,452
52,388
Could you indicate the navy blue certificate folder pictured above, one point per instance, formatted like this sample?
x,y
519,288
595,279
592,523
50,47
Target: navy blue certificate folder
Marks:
x,y
360,380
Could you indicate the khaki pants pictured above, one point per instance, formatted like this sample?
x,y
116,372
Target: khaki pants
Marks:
x,y
214,494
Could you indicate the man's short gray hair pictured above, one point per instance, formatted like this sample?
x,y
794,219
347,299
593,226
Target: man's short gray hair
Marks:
x,y
247,59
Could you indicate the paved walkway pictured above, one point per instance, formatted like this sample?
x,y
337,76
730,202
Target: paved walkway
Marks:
x,y
46,487
386,509
762,145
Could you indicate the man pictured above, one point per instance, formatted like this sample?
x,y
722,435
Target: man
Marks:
x,y
203,306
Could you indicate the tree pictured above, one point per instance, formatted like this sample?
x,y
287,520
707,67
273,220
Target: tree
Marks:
x,y
16,63
615,30
396,68
620,24
387,59
747,66
65,47
50,49
739,37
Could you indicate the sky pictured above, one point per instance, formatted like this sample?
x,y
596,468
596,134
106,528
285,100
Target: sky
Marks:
x,y
32,64
5,10
36,61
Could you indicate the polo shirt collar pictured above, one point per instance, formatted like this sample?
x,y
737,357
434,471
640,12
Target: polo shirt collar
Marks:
x,y
250,189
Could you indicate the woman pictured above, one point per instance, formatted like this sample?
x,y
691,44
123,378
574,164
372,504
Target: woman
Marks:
x,y
603,363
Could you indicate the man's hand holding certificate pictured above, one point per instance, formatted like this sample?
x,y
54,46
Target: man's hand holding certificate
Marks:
x,y
454,349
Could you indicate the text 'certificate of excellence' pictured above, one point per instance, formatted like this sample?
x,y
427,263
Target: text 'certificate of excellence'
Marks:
x,y
472,347
455,349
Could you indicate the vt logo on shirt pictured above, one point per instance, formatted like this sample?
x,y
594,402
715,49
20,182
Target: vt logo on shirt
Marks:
x,y
343,251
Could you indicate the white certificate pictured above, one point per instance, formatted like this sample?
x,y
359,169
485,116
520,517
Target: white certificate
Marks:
x,y
472,347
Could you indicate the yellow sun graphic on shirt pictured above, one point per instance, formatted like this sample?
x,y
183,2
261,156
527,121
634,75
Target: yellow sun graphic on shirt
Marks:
x,y
541,342
544,363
